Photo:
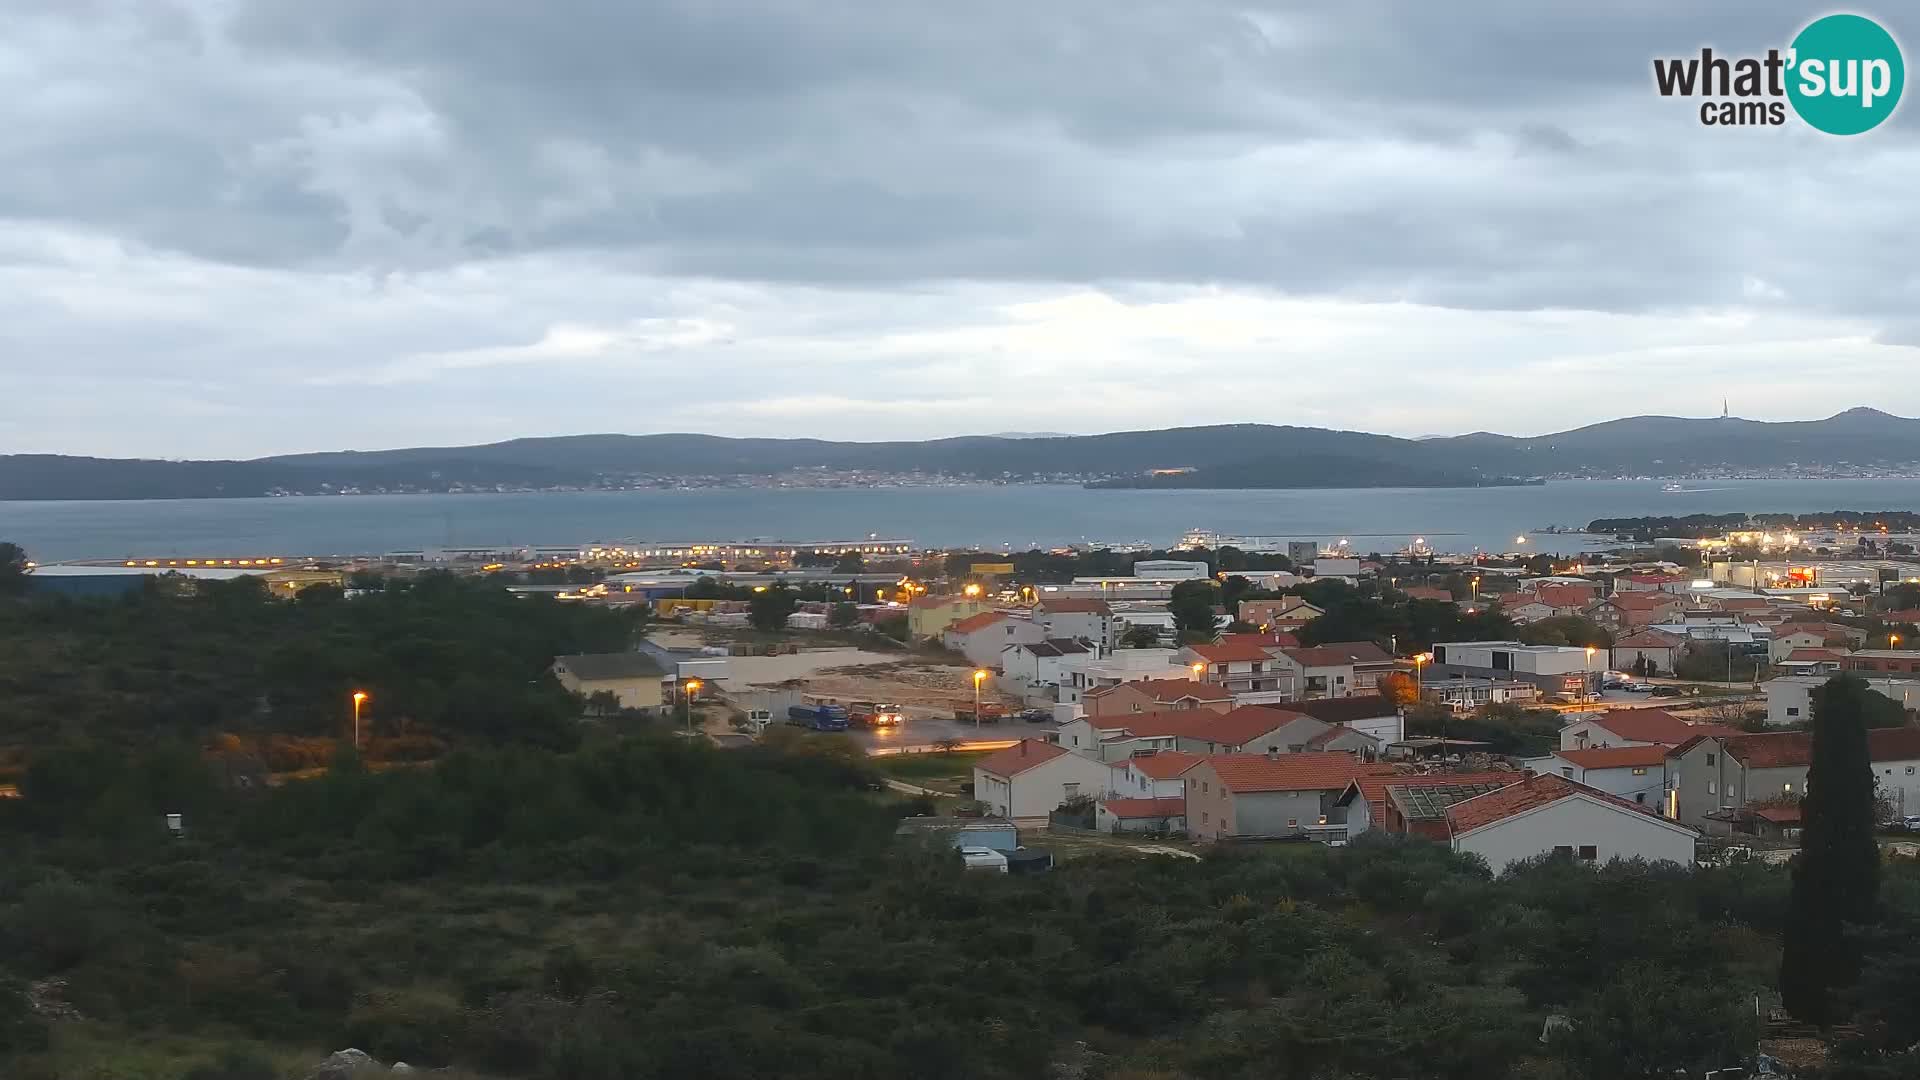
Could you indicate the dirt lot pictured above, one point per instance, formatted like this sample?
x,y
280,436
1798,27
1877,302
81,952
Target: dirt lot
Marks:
x,y
922,687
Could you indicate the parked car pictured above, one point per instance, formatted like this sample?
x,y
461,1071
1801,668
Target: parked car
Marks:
x,y
1641,687
1667,691
1037,716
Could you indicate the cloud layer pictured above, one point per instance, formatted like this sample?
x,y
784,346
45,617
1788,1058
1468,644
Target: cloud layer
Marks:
x,y
236,227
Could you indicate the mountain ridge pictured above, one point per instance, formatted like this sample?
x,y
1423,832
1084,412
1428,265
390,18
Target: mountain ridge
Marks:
x,y
1228,455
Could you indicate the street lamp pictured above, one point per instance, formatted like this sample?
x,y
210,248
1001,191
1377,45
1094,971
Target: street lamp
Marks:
x,y
1199,669
972,591
1586,680
979,676
360,697
1419,683
692,688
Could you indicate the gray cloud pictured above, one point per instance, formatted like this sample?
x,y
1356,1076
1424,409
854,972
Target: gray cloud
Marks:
x,y
361,186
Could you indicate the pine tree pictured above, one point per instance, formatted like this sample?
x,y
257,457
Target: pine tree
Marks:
x,y
1837,876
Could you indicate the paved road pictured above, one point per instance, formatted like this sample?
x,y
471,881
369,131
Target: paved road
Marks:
x,y
924,731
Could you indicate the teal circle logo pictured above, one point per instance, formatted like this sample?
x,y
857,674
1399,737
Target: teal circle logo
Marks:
x,y
1845,74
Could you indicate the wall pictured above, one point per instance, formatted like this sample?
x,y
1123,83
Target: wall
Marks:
x,y
1577,821
1644,789
640,693
1899,784
982,647
1091,625
1788,702
1037,791
1268,813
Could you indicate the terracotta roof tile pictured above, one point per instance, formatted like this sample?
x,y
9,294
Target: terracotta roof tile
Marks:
x,y
1234,652
1345,710
1067,605
1175,689
1779,815
1643,601
1171,806
1427,592
1528,794
1164,765
1374,788
1247,722
1647,639
1247,773
1616,757
1018,758
1647,725
976,622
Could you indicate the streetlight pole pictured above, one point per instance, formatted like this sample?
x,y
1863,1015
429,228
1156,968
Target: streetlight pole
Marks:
x,y
1586,677
979,676
359,698
691,688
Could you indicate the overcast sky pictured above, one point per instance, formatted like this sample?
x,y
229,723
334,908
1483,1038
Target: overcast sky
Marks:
x,y
242,227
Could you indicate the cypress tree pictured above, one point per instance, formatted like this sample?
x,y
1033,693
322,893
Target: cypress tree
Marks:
x,y
1837,875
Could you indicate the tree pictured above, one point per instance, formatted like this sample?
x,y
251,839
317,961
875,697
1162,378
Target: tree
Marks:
x,y
1566,630
13,570
842,616
850,563
1398,688
1192,608
1231,592
769,608
1139,636
1837,875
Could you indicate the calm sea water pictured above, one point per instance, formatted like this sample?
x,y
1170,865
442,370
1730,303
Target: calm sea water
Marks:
x,y
989,517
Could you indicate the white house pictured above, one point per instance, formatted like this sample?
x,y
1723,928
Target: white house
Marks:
x,y
1091,621
1031,778
1151,776
1083,673
1550,814
1240,667
1323,672
1634,773
1633,727
1039,663
1368,713
981,638
1651,648
1790,697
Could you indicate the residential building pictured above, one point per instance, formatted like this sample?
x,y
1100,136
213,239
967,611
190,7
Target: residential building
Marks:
x,y
1087,620
1633,727
1333,671
1823,662
1710,772
1370,714
1891,663
981,638
1646,652
1269,795
631,677
1152,776
1242,667
1249,729
1170,569
1550,814
1385,801
1788,637
1624,612
1163,815
1668,583
1039,663
1086,673
1030,779
1286,614
1156,695
1428,592
929,616
1466,694
1559,671
1634,773
1524,608
1567,598
1790,697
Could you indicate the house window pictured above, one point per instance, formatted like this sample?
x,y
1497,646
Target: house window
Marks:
x,y
1563,849
1709,759
1070,790
1640,797
1793,710
1589,853
1203,786
1566,771
1203,817
1293,823
1640,772
1786,788
1136,707
1712,789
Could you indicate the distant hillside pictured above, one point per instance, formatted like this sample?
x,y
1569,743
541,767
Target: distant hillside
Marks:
x,y
1227,455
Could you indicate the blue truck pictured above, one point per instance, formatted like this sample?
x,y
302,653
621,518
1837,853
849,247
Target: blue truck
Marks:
x,y
818,717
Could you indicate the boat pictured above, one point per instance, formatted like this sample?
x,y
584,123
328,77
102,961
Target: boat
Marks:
x,y
1674,486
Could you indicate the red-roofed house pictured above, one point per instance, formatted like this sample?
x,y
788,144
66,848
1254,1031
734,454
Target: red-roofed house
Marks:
x,y
1156,695
1550,814
1525,607
1566,599
1646,652
1031,778
929,616
1367,803
1165,815
1262,795
1286,614
1428,592
1040,663
1633,727
1790,636
1091,621
1712,773
1673,583
1637,774
1250,728
981,637
1337,669
1627,611
1152,776
1240,667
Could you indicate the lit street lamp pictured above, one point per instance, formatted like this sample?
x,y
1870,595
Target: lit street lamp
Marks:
x,y
360,697
1586,677
1199,669
692,687
979,676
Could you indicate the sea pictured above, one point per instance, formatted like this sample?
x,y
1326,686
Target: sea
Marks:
x,y
987,517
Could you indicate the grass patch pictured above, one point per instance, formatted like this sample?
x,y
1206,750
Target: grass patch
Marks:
x,y
957,765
